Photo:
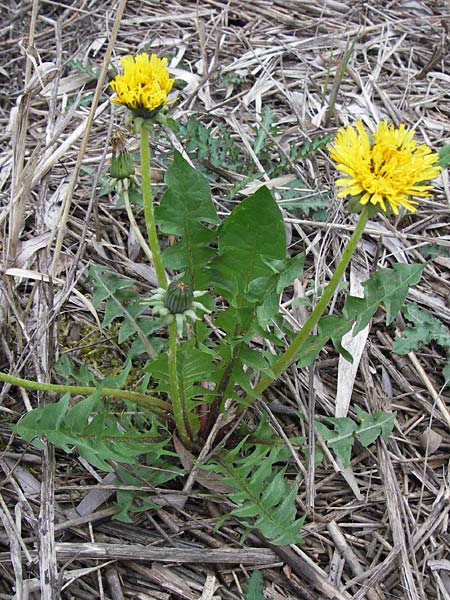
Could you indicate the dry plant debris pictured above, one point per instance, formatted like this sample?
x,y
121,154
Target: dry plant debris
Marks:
x,y
378,529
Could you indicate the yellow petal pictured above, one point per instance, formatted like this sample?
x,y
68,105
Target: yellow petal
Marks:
x,y
386,168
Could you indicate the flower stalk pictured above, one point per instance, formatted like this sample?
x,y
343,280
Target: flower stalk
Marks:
x,y
148,208
149,402
179,413
291,354
179,410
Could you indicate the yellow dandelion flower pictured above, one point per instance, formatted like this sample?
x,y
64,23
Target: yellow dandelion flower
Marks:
x,y
384,169
144,85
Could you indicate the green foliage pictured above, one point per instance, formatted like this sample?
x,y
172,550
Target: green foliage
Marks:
x,y
123,302
84,67
184,215
423,329
262,493
431,251
444,156
104,437
232,78
81,376
89,426
267,131
255,588
263,130
250,271
297,198
329,328
159,467
386,286
318,142
252,234
217,149
194,365
344,433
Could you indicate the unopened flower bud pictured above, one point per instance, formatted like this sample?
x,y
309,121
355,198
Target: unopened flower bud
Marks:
x,y
121,163
178,297
121,166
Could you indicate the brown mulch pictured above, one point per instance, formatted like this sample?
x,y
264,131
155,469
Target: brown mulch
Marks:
x,y
378,530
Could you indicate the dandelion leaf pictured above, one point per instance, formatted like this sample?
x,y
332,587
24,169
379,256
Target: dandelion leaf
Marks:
x,y
255,588
444,156
340,438
253,233
262,491
423,328
186,206
373,426
386,286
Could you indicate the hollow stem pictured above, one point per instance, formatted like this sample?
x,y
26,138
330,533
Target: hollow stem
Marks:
x,y
291,353
178,408
148,208
142,399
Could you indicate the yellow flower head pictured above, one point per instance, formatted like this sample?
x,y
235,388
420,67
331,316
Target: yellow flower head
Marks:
x,y
384,169
144,85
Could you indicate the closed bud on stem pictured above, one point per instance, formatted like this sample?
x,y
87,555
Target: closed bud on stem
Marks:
x,y
121,163
122,166
178,297
177,303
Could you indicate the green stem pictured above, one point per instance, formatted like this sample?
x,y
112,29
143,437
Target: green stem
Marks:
x,y
148,209
178,409
141,399
179,412
222,389
291,354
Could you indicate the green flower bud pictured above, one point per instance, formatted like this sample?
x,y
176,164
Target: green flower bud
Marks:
x,y
121,163
178,297
121,166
